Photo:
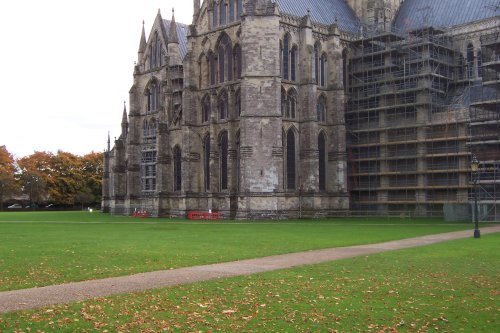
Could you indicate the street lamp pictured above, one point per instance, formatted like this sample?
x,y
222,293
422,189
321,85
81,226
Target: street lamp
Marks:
x,y
474,165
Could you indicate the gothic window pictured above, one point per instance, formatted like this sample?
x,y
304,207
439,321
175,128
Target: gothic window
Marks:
x,y
206,162
155,52
290,160
470,61
149,131
321,109
237,103
225,59
153,94
231,10
344,69
322,70
214,13
237,61
286,57
239,8
211,67
238,161
316,62
223,104
205,109
283,102
177,168
148,171
222,13
291,110
293,63
322,161
223,154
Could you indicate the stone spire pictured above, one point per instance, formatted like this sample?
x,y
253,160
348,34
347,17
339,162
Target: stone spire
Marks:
x,y
109,142
142,44
196,10
173,43
124,121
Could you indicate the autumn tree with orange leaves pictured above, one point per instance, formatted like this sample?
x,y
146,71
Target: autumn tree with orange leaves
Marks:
x,y
8,183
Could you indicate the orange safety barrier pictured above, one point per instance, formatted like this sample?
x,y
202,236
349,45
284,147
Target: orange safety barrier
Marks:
x,y
204,216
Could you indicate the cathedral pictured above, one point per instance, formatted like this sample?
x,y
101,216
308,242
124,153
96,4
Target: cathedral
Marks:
x,y
312,108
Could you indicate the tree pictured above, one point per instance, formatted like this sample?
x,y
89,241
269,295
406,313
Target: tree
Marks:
x,y
8,183
92,171
36,175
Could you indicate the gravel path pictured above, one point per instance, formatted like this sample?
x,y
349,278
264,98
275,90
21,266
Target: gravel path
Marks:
x,y
79,291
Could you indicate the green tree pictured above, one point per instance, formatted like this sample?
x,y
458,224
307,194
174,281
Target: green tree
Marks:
x,y
92,169
8,183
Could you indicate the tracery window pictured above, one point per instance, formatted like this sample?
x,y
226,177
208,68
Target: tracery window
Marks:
x,y
155,52
225,59
322,161
291,99
177,168
290,176
206,162
148,171
321,109
285,57
153,95
223,157
211,67
237,61
214,13
222,12
205,109
237,103
223,105
319,65
149,131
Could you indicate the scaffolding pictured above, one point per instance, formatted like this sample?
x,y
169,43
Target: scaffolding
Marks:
x,y
407,123
484,129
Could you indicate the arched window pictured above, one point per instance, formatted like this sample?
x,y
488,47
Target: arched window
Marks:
x,y
145,130
237,103
155,52
237,61
211,67
223,105
177,168
286,57
214,13
239,8
231,10
152,130
291,111
153,94
322,161
344,69
290,160
223,153
322,70
238,161
293,63
470,61
321,109
222,12
225,59
205,109
283,102
316,62
148,171
206,162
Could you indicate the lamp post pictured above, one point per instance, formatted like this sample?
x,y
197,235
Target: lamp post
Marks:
x,y
474,165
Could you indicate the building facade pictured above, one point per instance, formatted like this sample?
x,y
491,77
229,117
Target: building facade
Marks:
x,y
287,108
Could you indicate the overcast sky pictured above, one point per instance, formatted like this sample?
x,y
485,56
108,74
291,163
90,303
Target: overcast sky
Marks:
x,y
67,68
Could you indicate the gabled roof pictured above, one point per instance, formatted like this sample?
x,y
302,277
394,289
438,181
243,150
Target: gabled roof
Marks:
x,y
182,32
443,13
323,12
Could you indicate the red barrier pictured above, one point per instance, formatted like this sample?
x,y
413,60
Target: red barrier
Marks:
x,y
141,213
204,216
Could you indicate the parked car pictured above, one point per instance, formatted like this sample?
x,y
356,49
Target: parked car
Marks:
x,y
15,206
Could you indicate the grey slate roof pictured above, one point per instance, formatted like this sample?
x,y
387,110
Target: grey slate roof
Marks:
x,y
322,11
443,13
182,32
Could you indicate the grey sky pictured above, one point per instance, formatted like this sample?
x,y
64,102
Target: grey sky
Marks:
x,y
67,69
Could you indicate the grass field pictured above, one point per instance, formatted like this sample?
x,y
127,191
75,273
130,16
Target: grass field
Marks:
x,y
448,287
38,249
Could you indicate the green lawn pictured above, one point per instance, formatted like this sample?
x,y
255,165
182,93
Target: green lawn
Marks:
x,y
75,246
447,287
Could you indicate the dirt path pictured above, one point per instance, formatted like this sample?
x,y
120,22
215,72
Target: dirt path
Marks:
x,y
79,291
